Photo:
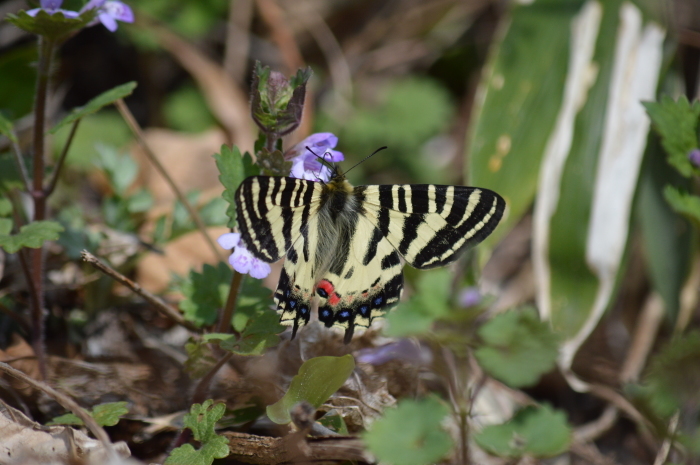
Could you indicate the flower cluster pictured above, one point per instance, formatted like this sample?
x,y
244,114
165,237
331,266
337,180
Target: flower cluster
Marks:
x,y
305,157
305,165
694,157
108,11
241,259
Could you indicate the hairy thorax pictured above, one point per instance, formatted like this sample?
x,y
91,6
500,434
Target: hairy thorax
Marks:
x,y
338,215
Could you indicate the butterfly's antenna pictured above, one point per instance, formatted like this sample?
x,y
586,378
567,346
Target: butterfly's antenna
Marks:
x,y
323,161
364,159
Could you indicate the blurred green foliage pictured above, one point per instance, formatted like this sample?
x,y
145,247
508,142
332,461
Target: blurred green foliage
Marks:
x,y
533,431
407,113
410,434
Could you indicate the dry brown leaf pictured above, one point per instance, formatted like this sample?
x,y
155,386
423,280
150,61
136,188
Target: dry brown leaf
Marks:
x,y
188,252
25,441
20,355
187,158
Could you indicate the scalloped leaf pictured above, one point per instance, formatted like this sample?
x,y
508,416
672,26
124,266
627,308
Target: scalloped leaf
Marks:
x,y
52,26
518,347
533,431
102,100
202,421
411,433
32,235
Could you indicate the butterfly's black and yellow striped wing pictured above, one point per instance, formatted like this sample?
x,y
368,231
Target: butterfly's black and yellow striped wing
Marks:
x,y
344,245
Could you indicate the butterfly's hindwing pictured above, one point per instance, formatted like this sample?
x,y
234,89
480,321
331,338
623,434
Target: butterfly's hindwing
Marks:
x,y
343,244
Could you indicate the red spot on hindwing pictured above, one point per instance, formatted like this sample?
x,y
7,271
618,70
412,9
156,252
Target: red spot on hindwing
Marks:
x,y
334,298
326,286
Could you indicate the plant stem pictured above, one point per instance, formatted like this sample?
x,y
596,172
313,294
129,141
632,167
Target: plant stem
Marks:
x,y
224,323
134,126
20,164
46,47
57,171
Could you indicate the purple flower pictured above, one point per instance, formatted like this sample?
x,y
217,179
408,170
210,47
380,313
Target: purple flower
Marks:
x,y
51,7
694,157
468,297
403,349
241,259
109,12
306,163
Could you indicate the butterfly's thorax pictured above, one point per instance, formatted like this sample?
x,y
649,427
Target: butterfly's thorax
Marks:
x,y
338,215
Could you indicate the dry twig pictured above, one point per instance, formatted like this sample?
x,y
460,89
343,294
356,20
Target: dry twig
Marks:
x,y
165,309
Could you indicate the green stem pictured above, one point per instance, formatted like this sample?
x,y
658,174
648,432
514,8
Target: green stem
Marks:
x,y
57,171
46,47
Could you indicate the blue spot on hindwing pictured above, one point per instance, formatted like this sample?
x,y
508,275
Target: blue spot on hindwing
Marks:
x,y
292,303
364,310
378,300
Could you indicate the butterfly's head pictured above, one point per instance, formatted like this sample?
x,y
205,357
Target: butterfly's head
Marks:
x,y
338,182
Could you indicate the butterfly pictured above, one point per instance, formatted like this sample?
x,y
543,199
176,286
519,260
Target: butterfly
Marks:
x,y
345,246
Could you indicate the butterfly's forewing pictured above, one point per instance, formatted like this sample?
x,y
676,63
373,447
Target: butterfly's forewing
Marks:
x,y
428,224
271,212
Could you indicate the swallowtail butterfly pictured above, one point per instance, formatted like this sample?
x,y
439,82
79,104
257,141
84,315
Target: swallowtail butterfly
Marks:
x,y
345,246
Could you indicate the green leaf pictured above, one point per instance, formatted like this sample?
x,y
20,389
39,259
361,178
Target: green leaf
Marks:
x,y
684,203
317,380
334,421
200,358
677,124
667,237
202,420
7,128
120,168
107,414
233,169
5,226
257,325
673,377
518,347
431,302
536,431
524,81
205,293
5,206
32,235
102,100
410,434
52,26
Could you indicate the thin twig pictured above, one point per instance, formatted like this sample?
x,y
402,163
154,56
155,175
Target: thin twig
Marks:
x,y
224,324
165,309
136,129
665,448
68,403
57,170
